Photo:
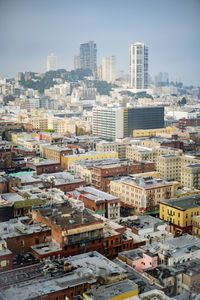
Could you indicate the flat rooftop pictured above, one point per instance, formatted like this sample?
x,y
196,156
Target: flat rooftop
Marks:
x,y
47,277
140,222
107,292
68,217
95,194
175,247
10,198
134,254
19,227
59,178
42,162
183,203
145,182
89,153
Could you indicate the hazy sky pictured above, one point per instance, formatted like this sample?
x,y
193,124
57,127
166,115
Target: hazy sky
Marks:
x,y
31,29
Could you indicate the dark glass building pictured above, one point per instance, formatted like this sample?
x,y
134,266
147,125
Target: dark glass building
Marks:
x,y
88,56
143,118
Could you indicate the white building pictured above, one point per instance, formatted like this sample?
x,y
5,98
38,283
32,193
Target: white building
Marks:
x,y
138,66
51,62
108,123
108,68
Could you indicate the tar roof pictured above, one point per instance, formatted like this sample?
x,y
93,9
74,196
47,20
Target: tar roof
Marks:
x,y
67,217
183,203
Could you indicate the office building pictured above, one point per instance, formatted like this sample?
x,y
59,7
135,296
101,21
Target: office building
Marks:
x,y
138,66
111,123
148,117
108,68
108,122
51,62
88,56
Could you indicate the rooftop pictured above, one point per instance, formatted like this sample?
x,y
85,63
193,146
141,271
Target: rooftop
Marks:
x,y
106,292
89,153
175,247
10,197
19,227
42,161
141,222
59,178
145,182
95,194
134,254
183,203
67,217
50,276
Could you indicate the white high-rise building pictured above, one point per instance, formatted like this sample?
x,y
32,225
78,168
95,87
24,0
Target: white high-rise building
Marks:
x,y
108,122
51,62
138,66
108,68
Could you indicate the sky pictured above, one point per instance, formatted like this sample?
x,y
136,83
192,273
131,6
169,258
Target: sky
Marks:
x,y
32,29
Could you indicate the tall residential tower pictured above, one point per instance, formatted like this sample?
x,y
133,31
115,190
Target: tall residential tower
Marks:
x,y
108,68
88,56
138,66
51,62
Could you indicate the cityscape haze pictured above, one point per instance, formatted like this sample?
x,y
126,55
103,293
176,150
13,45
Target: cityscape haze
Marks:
x,y
31,30
99,150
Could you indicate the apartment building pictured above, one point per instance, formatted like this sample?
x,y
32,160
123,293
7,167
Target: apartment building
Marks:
x,y
196,226
190,176
119,147
54,152
67,161
102,203
143,194
169,166
179,213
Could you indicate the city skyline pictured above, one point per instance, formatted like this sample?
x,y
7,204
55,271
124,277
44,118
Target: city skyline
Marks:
x,y
32,30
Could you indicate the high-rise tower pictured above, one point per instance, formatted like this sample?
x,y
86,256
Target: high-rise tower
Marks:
x,y
51,62
138,66
108,68
88,56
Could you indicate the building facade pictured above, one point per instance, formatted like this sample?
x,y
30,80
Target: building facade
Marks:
x,y
108,68
138,53
88,56
51,62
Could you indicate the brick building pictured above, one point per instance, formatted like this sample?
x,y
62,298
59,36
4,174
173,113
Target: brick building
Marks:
x,y
102,203
75,231
20,234
5,155
43,166
102,175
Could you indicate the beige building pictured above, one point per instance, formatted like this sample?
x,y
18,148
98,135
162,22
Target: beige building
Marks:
x,y
196,226
142,193
140,153
68,161
40,123
54,152
190,176
169,166
119,147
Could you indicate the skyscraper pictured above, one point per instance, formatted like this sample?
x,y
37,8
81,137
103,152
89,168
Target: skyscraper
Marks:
x,y
51,62
76,62
138,66
88,56
108,68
